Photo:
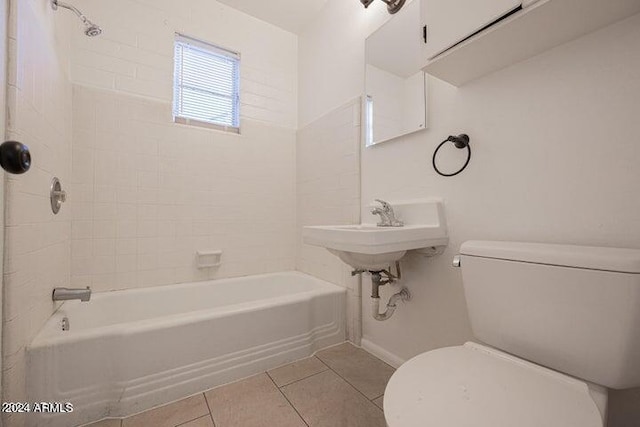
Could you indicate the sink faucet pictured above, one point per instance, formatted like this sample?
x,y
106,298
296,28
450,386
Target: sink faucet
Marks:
x,y
387,215
64,294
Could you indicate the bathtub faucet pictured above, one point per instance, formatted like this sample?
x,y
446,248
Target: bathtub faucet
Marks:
x,y
64,294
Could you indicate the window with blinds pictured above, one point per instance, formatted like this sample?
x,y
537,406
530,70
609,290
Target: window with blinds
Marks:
x,y
206,85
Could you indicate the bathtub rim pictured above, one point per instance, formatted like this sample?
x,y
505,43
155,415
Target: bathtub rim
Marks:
x,y
50,334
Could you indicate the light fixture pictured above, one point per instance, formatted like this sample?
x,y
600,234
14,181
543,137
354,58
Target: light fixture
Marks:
x,y
392,5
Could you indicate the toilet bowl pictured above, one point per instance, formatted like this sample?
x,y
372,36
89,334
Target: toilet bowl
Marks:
x,y
477,386
561,323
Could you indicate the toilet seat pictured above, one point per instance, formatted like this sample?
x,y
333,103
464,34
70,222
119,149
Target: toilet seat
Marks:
x,y
474,385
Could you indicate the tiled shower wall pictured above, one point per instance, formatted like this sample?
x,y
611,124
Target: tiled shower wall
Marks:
x,y
134,54
328,192
147,194
37,249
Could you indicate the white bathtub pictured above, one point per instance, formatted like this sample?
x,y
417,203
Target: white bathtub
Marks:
x,y
128,351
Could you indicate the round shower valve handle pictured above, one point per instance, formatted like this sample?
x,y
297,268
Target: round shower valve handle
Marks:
x,y
60,195
57,195
15,157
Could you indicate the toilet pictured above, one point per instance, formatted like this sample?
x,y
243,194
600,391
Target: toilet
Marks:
x,y
559,325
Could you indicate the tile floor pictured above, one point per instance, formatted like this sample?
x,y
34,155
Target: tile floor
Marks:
x,y
340,386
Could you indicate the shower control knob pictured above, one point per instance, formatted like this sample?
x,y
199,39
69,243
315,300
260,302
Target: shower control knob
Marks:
x,y
15,157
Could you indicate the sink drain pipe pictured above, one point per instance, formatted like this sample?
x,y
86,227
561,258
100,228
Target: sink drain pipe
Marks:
x,y
378,280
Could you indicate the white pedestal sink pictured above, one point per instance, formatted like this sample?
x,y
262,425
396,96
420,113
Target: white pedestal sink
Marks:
x,y
373,248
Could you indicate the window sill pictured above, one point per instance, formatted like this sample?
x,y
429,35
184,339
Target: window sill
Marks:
x,y
208,125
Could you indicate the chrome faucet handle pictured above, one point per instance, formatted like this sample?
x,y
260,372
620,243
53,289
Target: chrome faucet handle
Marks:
x,y
60,195
387,215
385,205
384,218
377,211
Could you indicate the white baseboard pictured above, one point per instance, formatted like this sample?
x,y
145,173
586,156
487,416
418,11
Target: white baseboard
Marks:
x,y
382,354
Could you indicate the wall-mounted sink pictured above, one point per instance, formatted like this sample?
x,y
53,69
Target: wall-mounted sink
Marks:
x,y
370,247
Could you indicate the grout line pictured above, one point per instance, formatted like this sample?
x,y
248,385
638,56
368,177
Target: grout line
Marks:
x,y
354,387
323,362
187,422
163,405
296,381
374,356
209,407
377,397
287,399
326,368
198,417
359,348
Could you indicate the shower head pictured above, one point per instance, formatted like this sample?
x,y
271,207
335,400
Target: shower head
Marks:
x,y
91,29
393,6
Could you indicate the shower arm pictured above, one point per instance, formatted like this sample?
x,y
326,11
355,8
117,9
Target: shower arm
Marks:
x,y
55,4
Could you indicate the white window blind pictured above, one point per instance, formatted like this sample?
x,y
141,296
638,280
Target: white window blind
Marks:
x,y
206,86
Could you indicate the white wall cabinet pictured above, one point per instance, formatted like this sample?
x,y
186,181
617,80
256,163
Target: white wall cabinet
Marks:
x,y
450,21
457,52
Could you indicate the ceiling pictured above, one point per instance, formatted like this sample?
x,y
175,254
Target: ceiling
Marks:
x,y
291,15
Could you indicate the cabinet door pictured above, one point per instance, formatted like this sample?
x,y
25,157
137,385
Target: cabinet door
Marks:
x,y
451,21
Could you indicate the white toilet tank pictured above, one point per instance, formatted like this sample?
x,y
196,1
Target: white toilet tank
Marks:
x,y
574,309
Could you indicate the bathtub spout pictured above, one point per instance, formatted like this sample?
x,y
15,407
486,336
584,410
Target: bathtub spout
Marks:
x,y
65,294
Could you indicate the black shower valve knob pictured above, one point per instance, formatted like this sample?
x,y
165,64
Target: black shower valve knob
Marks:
x,y
15,157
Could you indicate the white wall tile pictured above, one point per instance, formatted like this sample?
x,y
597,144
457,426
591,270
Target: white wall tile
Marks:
x,y
38,250
135,53
150,209
328,192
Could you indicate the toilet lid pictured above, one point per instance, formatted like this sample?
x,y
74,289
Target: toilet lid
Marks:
x,y
473,385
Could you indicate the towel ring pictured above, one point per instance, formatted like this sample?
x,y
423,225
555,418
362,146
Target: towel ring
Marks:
x,y
461,141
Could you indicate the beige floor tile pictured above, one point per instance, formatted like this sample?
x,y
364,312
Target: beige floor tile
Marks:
x,y
379,402
362,370
296,371
326,400
205,421
254,402
170,415
106,423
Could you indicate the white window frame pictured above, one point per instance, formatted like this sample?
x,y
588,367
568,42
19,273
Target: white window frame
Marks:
x,y
178,116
